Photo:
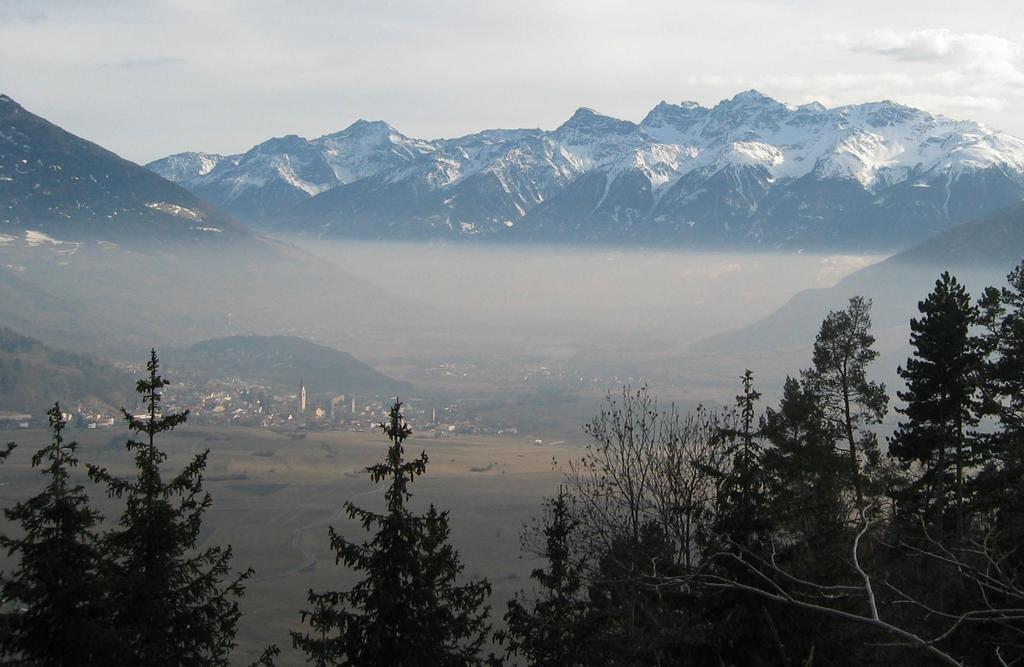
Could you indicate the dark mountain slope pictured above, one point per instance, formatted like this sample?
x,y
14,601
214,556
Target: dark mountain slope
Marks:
x,y
980,253
57,183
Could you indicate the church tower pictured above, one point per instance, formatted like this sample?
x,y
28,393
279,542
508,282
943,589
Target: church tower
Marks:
x,y
302,398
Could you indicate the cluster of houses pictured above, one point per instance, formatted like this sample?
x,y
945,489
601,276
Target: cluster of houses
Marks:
x,y
80,416
245,404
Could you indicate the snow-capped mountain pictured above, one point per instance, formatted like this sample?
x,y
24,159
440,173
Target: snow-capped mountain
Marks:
x,y
272,177
748,171
189,166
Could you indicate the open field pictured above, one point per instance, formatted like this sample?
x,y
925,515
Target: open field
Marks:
x,y
275,495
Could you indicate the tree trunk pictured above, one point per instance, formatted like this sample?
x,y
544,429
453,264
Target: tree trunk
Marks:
x,y
854,463
940,492
959,480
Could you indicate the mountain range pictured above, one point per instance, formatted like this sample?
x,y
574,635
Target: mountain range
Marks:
x,y
748,172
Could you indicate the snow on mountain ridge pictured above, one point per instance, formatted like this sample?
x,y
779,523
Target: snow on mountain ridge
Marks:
x,y
183,167
756,143
365,147
858,142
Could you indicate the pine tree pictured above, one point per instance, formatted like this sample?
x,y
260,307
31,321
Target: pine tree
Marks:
x,y
999,485
550,631
1002,314
408,610
172,604
629,621
57,581
939,399
805,474
838,380
805,478
740,623
742,511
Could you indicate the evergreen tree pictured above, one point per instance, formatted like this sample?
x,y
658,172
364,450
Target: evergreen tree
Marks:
x,y
1002,315
804,473
742,511
550,631
838,380
940,379
57,581
805,478
739,623
408,610
629,620
999,485
171,604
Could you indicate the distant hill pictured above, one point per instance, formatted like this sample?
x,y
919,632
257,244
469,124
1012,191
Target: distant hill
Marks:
x,y
33,376
66,187
282,361
979,253
997,239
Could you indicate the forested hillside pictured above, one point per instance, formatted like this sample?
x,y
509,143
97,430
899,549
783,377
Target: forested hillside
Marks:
x,y
33,375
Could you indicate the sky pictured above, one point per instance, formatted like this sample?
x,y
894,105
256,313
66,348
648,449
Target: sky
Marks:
x,y
147,78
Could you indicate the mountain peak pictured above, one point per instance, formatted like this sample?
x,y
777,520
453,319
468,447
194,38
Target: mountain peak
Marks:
x,y
285,144
752,96
664,106
812,106
885,113
185,166
591,122
747,107
586,113
368,125
666,120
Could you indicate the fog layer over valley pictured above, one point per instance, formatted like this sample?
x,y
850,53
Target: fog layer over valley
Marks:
x,y
461,317
571,319
588,296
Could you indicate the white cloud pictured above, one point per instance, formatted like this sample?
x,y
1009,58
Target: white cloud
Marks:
x,y
975,64
942,70
940,45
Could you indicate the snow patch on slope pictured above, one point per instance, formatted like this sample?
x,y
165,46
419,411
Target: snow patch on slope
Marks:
x,y
176,210
35,238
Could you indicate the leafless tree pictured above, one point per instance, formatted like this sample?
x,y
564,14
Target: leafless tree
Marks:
x,y
644,465
981,564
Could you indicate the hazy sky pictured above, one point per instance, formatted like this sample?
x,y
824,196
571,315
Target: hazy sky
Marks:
x,y
151,77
